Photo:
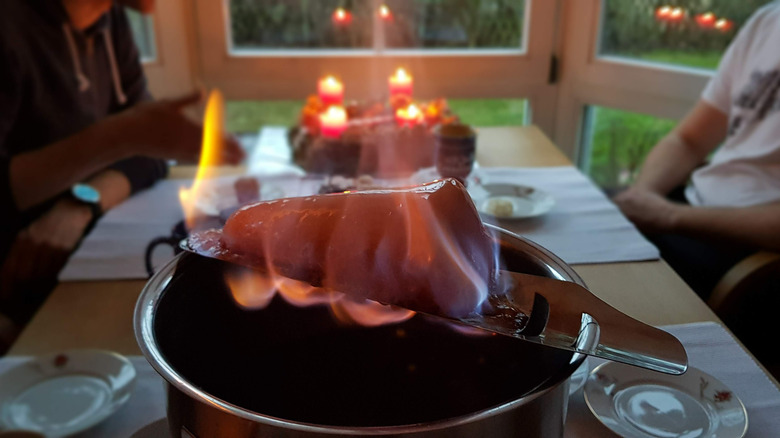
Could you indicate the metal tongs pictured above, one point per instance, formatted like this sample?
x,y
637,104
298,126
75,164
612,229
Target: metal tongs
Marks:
x,y
561,314
564,315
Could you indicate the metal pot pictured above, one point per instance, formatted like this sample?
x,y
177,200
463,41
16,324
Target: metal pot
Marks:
x,y
289,371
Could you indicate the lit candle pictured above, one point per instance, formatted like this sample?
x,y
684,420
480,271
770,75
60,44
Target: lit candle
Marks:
x,y
706,21
409,116
333,122
724,25
342,17
331,91
663,13
677,14
384,13
400,83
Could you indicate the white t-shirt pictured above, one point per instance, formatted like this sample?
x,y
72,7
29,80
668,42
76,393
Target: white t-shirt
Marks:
x,y
745,170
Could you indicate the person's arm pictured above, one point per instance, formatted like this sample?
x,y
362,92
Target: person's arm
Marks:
x,y
748,226
673,159
153,129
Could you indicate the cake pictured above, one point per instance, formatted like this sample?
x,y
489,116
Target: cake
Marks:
x,y
374,142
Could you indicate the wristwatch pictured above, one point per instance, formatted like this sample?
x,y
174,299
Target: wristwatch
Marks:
x,y
89,196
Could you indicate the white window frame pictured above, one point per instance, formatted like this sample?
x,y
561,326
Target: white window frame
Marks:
x,y
292,74
657,89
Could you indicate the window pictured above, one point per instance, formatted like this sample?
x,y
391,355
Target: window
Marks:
x,y
257,25
248,116
691,33
616,143
301,24
142,27
450,24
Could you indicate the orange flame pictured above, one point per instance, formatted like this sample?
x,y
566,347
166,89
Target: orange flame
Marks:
x,y
384,12
213,139
254,290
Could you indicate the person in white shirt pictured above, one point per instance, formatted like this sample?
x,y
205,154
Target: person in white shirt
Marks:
x,y
731,205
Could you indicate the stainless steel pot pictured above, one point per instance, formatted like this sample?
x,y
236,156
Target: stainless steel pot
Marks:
x,y
288,371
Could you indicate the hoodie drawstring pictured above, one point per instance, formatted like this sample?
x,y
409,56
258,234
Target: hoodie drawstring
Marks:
x,y
82,79
74,55
120,94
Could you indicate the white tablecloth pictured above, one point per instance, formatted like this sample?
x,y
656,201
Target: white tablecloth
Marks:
x,y
583,226
710,348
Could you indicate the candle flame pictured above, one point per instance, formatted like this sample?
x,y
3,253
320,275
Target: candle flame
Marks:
x,y
213,142
401,75
335,112
331,81
384,12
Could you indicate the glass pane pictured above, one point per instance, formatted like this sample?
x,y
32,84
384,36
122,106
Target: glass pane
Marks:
x,y
489,112
691,33
248,116
616,143
453,23
142,27
245,116
301,24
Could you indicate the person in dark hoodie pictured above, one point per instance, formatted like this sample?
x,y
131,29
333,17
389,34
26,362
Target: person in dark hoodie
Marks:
x,y
79,133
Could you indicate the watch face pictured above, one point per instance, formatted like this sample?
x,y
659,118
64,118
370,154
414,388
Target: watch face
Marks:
x,y
86,193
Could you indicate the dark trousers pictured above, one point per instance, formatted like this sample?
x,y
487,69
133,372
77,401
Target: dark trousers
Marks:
x,y
699,262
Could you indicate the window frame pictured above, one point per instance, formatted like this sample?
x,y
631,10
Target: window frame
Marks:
x,y
492,73
657,89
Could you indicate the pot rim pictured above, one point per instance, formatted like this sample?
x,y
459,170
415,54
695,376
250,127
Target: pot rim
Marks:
x,y
144,334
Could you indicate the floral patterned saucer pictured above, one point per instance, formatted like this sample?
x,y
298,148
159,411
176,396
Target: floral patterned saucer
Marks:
x,y
638,403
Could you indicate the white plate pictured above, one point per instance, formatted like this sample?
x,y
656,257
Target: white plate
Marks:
x,y
64,393
510,201
639,403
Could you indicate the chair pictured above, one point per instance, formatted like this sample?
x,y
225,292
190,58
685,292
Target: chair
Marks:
x,y
747,299
743,281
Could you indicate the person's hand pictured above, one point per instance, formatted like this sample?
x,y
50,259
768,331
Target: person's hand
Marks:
x,y
41,250
160,129
649,211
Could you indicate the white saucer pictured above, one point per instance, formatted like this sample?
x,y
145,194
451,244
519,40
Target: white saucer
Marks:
x,y
638,403
510,201
64,393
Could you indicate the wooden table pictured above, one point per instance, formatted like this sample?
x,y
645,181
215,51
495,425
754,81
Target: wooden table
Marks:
x,y
99,314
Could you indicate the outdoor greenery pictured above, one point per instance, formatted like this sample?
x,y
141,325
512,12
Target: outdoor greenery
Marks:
x,y
619,142
630,28
455,23
279,24
248,116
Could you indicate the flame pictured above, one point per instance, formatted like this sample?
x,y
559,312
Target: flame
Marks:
x,y
410,114
401,75
255,290
384,12
724,25
213,139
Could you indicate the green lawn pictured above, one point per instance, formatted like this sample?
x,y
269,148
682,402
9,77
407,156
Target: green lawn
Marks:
x,y
619,143
706,60
245,116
